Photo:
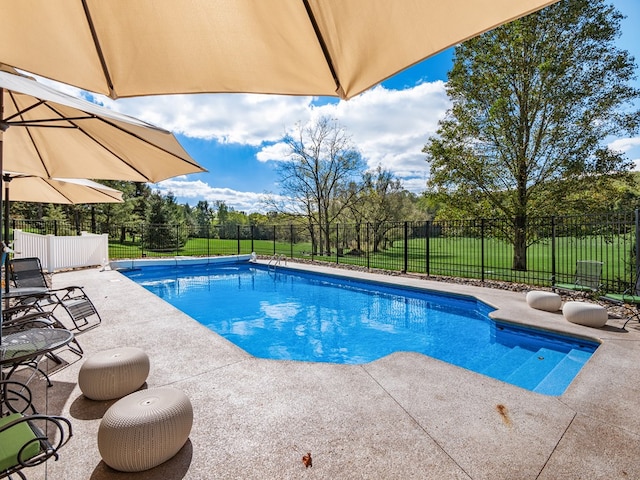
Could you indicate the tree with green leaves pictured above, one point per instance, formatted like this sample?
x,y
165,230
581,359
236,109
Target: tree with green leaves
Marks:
x,y
322,162
533,103
166,224
381,200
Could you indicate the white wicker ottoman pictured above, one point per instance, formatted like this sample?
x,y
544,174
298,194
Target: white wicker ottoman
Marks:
x,y
145,429
541,300
113,373
584,313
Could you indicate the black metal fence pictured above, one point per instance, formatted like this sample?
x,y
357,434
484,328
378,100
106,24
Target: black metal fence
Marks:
x,y
478,248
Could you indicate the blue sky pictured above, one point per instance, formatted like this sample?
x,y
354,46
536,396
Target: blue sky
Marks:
x,y
237,137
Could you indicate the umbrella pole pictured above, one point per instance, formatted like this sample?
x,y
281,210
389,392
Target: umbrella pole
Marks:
x,y
7,237
3,127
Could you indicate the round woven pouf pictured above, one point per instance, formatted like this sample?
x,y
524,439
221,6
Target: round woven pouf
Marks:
x,y
145,429
547,301
583,313
113,373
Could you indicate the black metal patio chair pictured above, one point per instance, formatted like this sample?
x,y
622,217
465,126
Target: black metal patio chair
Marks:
x,y
27,438
26,273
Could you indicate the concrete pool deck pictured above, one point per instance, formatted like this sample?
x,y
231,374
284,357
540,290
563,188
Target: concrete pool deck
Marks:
x,y
401,417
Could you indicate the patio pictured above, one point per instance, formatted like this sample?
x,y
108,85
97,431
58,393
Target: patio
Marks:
x,y
403,416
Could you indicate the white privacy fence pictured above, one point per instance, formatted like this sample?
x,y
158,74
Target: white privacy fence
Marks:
x,y
57,253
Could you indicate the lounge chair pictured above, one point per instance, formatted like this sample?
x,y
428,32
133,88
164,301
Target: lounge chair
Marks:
x,y
586,281
27,273
27,439
630,299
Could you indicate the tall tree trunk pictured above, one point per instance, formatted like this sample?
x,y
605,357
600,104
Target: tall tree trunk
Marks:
x,y
327,231
520,243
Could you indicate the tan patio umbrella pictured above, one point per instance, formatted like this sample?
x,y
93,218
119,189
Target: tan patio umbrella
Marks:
x,y
70,191
18,187
125,48
50,134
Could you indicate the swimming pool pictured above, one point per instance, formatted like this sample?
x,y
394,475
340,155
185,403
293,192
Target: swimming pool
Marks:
x,y
287,314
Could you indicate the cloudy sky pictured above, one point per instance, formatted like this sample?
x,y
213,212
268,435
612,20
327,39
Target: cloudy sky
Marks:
x,y
238,137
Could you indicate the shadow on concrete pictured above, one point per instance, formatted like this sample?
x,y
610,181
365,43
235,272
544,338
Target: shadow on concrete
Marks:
x,y
173,469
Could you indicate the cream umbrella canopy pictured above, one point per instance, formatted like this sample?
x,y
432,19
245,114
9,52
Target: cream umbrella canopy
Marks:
x,y
70,191
46,133
300,47
18,187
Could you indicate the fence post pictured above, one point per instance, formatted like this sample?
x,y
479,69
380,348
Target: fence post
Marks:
x,y
274,239
406,247
553,250
291,239
238,236
368,248
427,262
142,240
482,248
637,221
337,239
208,240
177,239
252,226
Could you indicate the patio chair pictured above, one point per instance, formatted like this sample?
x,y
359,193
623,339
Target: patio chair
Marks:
x,y
15,397
27,440
27,273
630,299
586,281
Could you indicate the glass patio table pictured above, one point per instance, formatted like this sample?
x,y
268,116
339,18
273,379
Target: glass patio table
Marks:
x,y
26,347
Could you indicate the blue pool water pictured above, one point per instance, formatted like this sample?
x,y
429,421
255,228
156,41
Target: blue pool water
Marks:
x,y
299,316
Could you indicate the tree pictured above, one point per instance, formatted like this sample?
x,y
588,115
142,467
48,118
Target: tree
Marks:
x,y
322,161
166,224
380,201
533,102
204,215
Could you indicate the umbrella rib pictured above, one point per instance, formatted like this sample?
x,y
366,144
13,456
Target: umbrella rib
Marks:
x,y
20,112
96,42
38,122
104,192
339,90
41,122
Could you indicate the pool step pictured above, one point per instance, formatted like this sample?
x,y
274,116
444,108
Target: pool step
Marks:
x,y
544,371
533,371
557,380
505,365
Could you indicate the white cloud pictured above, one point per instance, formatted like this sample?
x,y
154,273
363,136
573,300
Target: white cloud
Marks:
x,y
624,144
228,118
276,152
